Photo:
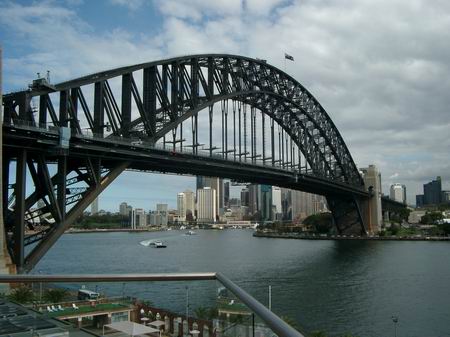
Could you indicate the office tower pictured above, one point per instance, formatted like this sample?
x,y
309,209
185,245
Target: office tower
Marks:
x,y
189,198
432,192
181,206
277,210
265,202
123,209
244,197
217,185
138,218
398,193
226,194
206,204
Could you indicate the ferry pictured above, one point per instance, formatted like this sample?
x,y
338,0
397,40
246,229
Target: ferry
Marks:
x,y
191,233
157,244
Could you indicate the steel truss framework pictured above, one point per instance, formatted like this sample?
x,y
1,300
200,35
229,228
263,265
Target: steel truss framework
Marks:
x,y
267,118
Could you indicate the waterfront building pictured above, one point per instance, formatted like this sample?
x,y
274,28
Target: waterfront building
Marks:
x,y
206,204
419,200
217,185
398,193
226,194
244,197
161,215
94,207
123,209
189,197
253,202
277,209
306,204
265,202
445,197
432,192
181,206
138,218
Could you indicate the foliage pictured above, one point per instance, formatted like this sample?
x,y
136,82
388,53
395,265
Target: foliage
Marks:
x,y
55,295
101,221
445,228
400,215
322,222
431,218
206,313
318,333
22,294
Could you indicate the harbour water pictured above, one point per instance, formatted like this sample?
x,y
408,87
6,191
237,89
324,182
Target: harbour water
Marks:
x,y
334,286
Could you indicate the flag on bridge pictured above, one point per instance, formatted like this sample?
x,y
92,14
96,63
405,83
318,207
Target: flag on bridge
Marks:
x,y
288,57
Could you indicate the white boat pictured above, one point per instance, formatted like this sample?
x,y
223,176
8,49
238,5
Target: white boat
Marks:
x,y
191,233
157,244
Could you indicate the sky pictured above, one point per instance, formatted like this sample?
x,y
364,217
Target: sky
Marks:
x,y
381,69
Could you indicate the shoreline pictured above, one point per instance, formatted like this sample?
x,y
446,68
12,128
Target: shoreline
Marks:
x,y
354,238
110,230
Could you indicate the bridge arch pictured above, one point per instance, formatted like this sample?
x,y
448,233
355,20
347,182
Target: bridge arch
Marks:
x,y
153,100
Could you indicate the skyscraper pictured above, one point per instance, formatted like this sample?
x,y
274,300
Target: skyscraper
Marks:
x,y
217,185
398,193
244,197
181,206
432,192
265,202
123,209
226,194
206,204
276,203
189,197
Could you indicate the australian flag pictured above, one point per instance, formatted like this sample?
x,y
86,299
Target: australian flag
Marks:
x,y
288,57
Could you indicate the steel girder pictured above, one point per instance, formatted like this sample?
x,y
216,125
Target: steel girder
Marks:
x,y
172,89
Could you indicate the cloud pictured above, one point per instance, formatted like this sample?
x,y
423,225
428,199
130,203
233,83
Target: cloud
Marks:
x,y
380,68
130,4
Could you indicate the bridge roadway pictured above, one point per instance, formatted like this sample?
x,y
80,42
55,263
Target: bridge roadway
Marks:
x,y
148,157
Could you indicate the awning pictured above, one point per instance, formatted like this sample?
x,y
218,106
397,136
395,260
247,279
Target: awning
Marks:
x,y
157,323
130,328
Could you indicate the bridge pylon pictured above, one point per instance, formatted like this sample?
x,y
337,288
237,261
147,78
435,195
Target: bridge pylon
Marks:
x,y
371,208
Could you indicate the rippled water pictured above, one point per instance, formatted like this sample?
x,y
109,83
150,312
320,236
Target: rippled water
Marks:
x,y
334,286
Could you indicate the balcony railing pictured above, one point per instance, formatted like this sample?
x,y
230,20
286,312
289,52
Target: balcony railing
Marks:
x,y
239,314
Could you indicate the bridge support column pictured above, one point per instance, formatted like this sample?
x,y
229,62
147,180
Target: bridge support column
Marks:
x,y
371,208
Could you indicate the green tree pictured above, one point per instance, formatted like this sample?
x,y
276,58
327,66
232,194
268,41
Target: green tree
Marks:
x,y
201,313
322,222
318,333
55,295
22,294
431,218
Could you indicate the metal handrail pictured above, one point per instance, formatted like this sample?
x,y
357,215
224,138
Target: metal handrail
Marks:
x,y
274,322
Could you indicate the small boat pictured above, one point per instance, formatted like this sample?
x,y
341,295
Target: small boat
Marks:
x,y
191,233
157,244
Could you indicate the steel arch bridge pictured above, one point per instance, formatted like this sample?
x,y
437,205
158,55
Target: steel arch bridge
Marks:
x,y
215,115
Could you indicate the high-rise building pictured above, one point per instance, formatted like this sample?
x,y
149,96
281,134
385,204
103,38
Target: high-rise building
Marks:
x,y
253,202
206,204
162,211
244,197
190,202
432,192
217,185
286,203
277,209
398,193
226,194
123,209
265,202
305,204
94,207
181,206
445,197
138,218
419,200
